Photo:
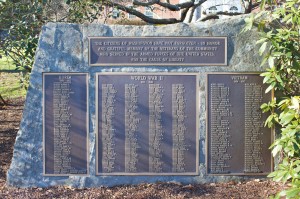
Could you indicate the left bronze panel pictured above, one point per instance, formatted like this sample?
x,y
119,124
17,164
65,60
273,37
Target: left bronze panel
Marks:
x,y
65,124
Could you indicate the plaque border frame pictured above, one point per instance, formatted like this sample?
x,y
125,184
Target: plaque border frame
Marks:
x,y
87,122
160,63
272,130
196,173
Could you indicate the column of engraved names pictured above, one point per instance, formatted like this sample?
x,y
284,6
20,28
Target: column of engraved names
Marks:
x,y
108,130
155,127
131,126
220,113
178,127
61,117
253,125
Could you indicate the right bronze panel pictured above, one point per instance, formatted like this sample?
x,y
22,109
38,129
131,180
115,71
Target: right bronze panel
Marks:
x,y
237,141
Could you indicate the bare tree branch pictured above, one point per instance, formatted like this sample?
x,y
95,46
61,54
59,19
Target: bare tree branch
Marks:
x,y
210,17
193,10
189,6
141,15
217,14
248,7
181,6
200,3
172,7
150,3
176,7
183,14
185,7
169,6
191,14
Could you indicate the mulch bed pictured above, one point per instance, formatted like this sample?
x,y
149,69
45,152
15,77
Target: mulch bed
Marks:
x,y
10,116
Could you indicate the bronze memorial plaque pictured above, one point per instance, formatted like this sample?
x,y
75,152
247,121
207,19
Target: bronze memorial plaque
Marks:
x,y
237,141
147,124
65,124
195,51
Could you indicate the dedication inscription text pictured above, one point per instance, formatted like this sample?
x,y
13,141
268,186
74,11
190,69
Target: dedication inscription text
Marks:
x,y
238,142
65,123
196,51
145,126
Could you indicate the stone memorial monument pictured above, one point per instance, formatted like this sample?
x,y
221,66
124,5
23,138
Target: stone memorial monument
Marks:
x,y
112,105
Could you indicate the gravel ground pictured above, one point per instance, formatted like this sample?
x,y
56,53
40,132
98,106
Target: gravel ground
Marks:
x,y
10,116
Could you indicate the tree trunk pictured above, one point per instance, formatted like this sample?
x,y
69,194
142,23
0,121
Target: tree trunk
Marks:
x,y
248,7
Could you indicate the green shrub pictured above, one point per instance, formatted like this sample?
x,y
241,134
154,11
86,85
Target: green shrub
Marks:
x,y
280,45
22,21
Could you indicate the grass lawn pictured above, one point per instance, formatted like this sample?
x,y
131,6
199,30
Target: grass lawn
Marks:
x,y
10,81
6,63
11,86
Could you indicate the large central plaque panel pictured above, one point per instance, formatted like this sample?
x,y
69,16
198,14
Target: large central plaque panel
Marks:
x,y
147,124
237,140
